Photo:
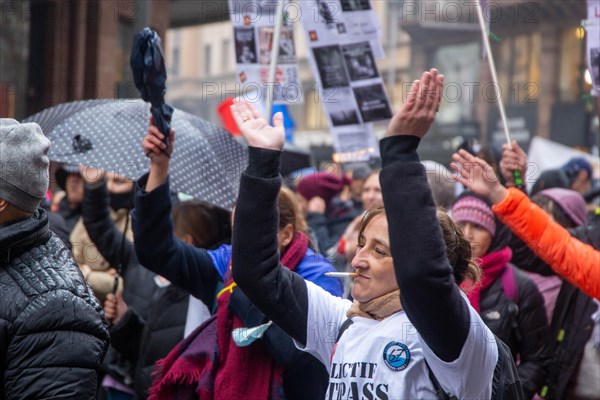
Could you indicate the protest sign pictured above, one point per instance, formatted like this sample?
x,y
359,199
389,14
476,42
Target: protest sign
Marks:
x,y
253,24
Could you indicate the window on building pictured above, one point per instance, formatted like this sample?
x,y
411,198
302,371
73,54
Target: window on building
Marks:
x,y
518,66
225,54
460,64
572,64
124,86
174,40
207,59
175,62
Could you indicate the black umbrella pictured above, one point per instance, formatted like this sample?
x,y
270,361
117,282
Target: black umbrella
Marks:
x,y
150,77
206,163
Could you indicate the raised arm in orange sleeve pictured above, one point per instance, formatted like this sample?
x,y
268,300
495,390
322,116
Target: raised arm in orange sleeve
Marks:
x,y
575,261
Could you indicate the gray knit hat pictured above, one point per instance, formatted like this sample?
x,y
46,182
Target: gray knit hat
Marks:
x,y
23,164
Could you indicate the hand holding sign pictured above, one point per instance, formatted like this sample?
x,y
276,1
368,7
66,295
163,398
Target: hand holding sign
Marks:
x,y
513,159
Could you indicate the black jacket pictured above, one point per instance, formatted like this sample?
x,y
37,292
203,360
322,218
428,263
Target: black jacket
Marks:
x,y
143,342
193,270
53,336
138,281
329,228
70,215
571,325
422,275
523,327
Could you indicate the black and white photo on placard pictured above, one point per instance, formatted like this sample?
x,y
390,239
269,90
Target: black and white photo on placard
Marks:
x,y
287,52
330,64
245,45
372,102
360,61
339,104
355,5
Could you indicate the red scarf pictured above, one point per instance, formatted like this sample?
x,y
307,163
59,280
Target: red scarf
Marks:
x,y
492,265
234,372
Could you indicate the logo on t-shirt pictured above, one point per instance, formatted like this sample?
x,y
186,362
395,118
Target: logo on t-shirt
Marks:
x,y
396,356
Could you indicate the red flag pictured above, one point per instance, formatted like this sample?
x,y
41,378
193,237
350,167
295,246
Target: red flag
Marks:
x,y
224,111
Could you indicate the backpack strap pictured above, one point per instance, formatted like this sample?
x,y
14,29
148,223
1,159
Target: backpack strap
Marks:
x,y
343,329
439,391
506,384
509,283
511,291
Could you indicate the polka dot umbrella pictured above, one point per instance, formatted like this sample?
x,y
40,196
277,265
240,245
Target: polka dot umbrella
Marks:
x,y
206,161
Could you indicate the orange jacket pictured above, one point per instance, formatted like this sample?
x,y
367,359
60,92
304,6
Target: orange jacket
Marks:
x,y
570,258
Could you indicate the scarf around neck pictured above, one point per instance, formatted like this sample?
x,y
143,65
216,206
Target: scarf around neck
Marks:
x,y
209,365
378,308
492,265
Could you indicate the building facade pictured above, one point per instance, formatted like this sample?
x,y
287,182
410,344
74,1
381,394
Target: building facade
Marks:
x,y
540,56
202,73
55,51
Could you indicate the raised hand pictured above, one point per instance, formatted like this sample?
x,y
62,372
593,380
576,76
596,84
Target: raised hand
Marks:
x,y
478,176
255,130
159,155
423,102
513,159
155,148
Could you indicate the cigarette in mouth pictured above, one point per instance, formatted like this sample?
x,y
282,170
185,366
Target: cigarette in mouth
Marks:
x,y
341,274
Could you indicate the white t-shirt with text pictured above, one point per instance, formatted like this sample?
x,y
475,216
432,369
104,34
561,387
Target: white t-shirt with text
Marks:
x,y
386,359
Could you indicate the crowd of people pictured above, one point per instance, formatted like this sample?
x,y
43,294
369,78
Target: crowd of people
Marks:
x,y
404,281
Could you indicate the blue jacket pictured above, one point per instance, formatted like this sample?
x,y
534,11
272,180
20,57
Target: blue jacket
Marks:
x,y
312,268
196,270
201,272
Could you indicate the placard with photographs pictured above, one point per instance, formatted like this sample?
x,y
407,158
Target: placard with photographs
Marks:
x,y
344,42
253,24
287,50
341,21
350,85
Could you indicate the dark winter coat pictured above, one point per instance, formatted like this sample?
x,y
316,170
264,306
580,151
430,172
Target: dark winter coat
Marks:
x,y
142,342
443,325
138,282
70,215
201,272
328,228
53,336
571,325
523,327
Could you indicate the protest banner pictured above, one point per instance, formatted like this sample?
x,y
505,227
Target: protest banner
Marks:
x,y
254,24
